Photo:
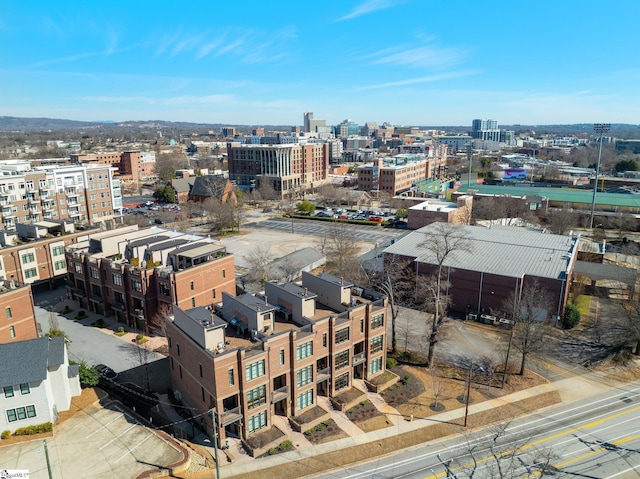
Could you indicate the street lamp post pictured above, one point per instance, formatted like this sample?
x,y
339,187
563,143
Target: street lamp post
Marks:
x,y
600,128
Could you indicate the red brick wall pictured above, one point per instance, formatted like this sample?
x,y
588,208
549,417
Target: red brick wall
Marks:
x,y
23,319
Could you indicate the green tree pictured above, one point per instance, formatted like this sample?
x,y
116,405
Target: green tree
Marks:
x,y
626,165
305,207
88,376
402,213
571,316
166,194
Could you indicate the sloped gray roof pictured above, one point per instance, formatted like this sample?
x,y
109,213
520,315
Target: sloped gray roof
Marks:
x,y
210,186
501,250
183,185
28,361
296,261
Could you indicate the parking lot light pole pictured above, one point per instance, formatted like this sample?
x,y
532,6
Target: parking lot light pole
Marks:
x,y
598,128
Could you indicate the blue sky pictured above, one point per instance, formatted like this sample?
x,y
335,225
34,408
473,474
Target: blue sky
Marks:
x,y
408,62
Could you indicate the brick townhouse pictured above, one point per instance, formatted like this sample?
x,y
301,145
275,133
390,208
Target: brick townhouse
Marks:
x,y
259,355
137,274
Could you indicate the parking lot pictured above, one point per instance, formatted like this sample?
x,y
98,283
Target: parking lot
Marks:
x,y
95,442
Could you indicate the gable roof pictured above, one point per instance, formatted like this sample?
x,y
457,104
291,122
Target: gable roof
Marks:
x,y
209,186
183,185
28,361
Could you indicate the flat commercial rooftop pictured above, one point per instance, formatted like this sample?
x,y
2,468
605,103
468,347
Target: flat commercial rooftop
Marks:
x,y
501,250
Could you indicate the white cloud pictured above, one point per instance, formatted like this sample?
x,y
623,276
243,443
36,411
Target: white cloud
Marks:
x,y
369,6
424,79
419,57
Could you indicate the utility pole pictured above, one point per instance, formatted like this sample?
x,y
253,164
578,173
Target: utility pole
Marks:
x,y
598,128
466,402
46,455
215,441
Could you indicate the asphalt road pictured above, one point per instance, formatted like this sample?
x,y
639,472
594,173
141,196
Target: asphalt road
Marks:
x,y
597,438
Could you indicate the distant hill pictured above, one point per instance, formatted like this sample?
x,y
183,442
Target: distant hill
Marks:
x,y
17,124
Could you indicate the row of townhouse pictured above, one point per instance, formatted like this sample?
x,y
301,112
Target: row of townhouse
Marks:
x,y
257,356
135,274
84,194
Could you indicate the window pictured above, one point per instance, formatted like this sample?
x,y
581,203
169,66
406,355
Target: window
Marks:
x,y
377,321
94,273
362,325
60,264
200,370
12,331
31,273
28,258
202,392
342,335
77,267
8,311
136,285
324,340
21,413
191,285
305,399
254,370
342,381
376,344
375,365
180,370
342,359
304,376
9,392
281,356
224,273
304,350
213,293
57,250
231,379
178,349
193,302
256,397
24,388
258,421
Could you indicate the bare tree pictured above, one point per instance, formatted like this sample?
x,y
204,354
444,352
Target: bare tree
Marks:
x,y
391,280
561,220
258,260
530,314
437,387
157,323
442,243
342,250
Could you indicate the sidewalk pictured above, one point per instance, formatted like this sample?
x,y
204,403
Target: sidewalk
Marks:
x,y
570,389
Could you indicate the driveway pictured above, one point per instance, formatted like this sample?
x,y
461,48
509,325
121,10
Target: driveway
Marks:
x,y
95,345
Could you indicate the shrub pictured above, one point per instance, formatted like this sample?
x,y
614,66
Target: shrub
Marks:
x,y
36,429
140,339
391,363
120,331
88,376
405,379
571,317
6,434
81,314
67,310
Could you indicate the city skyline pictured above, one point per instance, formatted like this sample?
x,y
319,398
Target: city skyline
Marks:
x,y
256,63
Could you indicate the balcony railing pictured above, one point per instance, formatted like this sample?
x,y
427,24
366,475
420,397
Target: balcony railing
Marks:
x,y
138,313
230,416
280,394
118,306
323,375
359,358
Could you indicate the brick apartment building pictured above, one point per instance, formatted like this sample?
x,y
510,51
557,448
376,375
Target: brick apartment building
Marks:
x,y
287,168
130,165
136,274
257,356
17,317
84,194
33,254
395,175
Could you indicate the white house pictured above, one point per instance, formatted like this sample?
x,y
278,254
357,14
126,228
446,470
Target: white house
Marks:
x,y
36,382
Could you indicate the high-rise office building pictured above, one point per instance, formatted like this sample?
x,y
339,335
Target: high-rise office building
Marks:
x,y
486,130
